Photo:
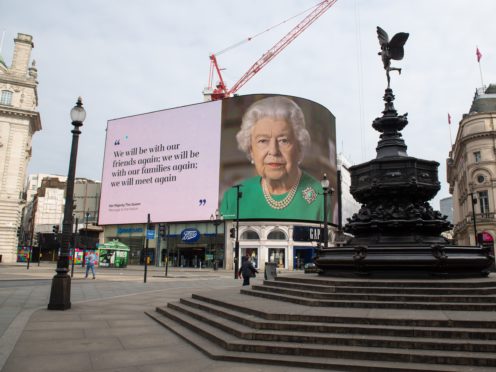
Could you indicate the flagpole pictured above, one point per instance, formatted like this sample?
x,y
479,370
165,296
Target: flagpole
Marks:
x,y
479,56
1,41
480,70
449,128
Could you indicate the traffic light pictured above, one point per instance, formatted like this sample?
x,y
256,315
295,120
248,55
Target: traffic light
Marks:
x,y
55,229
232,232
19,231
161,230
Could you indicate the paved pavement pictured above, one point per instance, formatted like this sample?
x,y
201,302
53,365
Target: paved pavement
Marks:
x,y
106,328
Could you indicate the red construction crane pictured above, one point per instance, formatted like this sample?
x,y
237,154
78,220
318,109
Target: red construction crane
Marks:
x,y
221,91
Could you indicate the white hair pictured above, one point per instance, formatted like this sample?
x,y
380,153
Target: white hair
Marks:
x,y
279,108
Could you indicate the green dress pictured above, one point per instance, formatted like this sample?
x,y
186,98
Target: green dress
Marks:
x,y
307,204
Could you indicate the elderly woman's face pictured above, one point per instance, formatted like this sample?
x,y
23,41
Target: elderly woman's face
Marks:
x,y
274,149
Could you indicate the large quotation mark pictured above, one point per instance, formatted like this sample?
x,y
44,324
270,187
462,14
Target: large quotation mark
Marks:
x,y
117,142
203,201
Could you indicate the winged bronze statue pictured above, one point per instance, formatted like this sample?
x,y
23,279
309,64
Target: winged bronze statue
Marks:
x,y
391,49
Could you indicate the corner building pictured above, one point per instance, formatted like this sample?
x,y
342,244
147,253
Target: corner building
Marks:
x,y
19,120
471,172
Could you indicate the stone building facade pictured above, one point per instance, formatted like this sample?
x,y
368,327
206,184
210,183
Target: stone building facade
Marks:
x,y
19,120
471,171
45,207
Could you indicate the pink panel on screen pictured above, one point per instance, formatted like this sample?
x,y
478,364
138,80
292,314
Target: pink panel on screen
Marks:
x,y
165,163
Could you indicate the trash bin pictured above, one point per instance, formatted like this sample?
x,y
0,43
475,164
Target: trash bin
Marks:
x,y
270,271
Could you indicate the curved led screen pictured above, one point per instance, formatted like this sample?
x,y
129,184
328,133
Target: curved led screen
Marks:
x,y
182,164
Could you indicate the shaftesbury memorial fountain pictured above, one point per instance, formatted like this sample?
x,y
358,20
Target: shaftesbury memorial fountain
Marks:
x,y
396,232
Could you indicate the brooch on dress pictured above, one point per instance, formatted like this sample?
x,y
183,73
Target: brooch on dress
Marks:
x,y
309,194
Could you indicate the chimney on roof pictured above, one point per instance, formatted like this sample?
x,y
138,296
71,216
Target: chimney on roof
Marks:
x,y
22,53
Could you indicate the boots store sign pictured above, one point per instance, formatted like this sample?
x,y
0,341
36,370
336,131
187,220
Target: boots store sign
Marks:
x,y
190,235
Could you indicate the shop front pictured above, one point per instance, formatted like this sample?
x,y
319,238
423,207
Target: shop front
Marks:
x,y
302,256
253,253
195,244
278,256
194,247
287,246
191,256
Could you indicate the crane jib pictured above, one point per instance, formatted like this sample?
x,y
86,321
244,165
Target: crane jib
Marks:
x,y
222,91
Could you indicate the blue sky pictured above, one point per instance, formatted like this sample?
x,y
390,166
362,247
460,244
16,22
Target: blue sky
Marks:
x,y
127,57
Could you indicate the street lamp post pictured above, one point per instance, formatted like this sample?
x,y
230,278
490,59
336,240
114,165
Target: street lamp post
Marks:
x,y
30,251
39,248
327,193
239,194
216,220
86,215
167,249
60,294
148,222
75,244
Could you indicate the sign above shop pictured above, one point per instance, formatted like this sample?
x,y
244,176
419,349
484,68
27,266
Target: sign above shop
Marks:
x,y
150,234
190,235
129,230
306,234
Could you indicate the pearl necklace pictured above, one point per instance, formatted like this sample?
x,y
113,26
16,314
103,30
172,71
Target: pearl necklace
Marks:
x,y
280,204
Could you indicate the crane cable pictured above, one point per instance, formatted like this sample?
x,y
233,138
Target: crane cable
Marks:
x,y
263,32
360,78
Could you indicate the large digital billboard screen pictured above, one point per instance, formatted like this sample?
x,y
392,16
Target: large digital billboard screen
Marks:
x,y
182,164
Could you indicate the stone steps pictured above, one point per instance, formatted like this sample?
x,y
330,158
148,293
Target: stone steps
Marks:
x,y
371,283
216,352
326,356
363,296
260,325
338,288
329,334
428,328
295,298
324,317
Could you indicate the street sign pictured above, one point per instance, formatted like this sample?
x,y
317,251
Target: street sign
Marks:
x,y
150,234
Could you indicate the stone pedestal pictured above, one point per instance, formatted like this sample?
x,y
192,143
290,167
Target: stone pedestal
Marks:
x,y
396,232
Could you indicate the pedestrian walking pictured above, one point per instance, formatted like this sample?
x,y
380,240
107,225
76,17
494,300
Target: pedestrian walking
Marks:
x,y
247,270
90,264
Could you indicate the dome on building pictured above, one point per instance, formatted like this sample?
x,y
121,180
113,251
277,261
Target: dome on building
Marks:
x,y
484,100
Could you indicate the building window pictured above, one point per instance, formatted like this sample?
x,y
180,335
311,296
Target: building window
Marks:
x,y
477,156
6,98
277,235
480,178
250,235
484,202
278,256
